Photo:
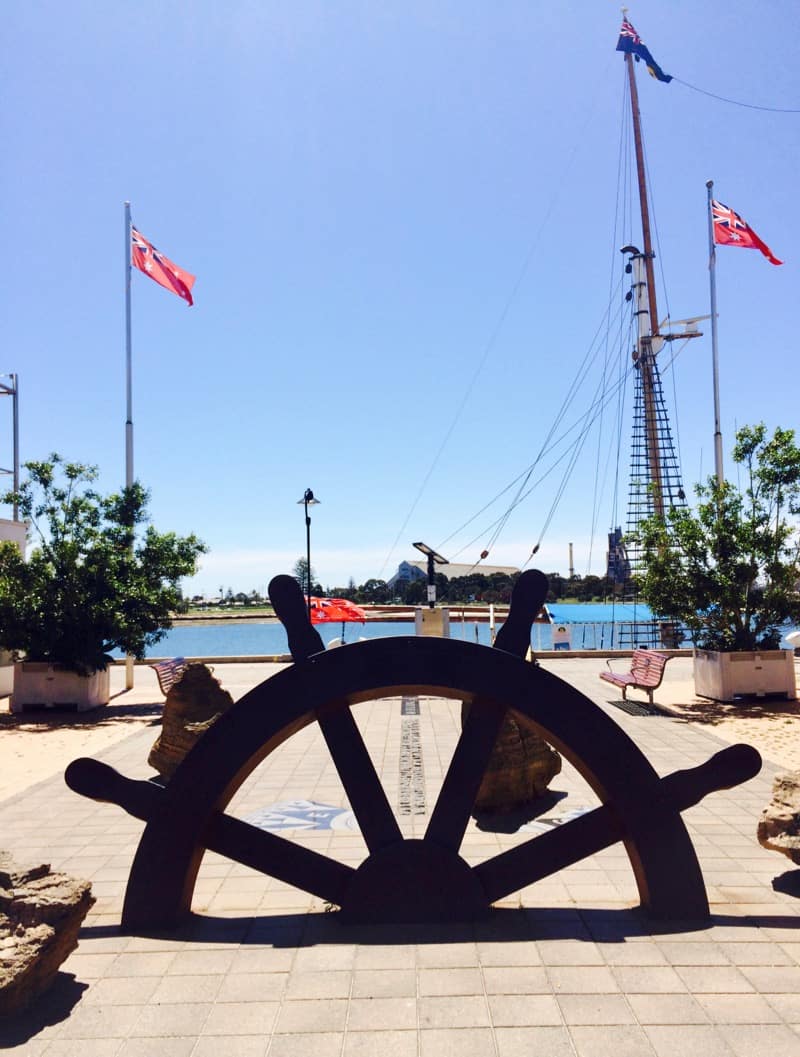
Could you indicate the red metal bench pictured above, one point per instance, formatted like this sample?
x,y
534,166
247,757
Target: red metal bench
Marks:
x,y
169,672
647,671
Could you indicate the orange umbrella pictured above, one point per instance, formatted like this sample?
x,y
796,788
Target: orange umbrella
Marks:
x,y
335,610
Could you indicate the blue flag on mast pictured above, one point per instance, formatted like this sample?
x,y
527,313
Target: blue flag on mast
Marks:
x,y
630,41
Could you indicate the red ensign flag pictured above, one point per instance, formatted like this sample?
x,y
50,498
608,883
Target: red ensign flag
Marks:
x,y
147,259
731,230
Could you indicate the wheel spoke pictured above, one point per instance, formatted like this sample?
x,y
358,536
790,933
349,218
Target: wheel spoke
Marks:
x,y
463,779
378,825
228,836
280,858
548,852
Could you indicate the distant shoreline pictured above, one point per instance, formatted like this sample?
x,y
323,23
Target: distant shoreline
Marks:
x,y
400,613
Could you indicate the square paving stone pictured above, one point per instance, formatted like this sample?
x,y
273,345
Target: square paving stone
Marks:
x,y
714,979
738,1009
623,1041
667,1009
648,979
186,989
477,1042
582,979
595,1009
367,1014
516,980
380,1044
769,1040
386,983
231,1046
386,957
450,982
774,979
524,1010
323,1044
101,1022
532,1042
121,991
786,1005
177,1019
311,1016
164,1047
453,1012
334,983
241,1018
252,987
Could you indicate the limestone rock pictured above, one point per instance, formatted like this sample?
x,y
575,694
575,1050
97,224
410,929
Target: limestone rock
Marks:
x,y
779,825
192,705
521,766
40,917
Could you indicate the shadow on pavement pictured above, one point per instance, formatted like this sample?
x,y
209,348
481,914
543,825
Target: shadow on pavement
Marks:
x,y
501,925
50,1008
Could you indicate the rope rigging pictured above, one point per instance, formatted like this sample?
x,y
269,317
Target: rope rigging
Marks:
x,y
603,395
561,183
564,445
737,102
547,447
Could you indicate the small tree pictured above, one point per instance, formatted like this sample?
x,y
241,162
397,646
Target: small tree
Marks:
x,y
300,573
373,591
92,583
730,570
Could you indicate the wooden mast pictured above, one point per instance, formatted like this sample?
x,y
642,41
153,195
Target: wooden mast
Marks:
x,y
647,347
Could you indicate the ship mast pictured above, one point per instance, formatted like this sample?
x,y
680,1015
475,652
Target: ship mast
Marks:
x,y
649,341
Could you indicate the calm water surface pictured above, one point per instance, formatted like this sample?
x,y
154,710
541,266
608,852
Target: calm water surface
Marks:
x,y
590,626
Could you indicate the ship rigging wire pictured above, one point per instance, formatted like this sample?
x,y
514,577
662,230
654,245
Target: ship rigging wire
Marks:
x,y
561,183
546,448
737,102
603,394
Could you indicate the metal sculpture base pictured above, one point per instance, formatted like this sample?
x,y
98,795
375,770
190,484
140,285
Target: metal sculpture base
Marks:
x,y
412,880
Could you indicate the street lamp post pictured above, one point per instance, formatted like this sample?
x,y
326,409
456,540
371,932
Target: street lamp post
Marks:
x,y
307,501
432,557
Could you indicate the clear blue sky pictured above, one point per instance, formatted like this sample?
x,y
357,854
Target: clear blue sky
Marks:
x,y
392,209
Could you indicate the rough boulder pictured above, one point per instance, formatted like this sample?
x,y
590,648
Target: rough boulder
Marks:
x,y
40,917
779,825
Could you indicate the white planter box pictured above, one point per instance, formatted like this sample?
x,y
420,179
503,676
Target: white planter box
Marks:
x,y
41,685
725,676
6,673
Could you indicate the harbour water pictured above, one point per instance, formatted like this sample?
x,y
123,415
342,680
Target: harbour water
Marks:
x,y
591,626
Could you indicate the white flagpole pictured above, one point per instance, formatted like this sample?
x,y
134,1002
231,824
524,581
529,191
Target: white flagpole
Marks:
x,y
128,394
128,354
712,272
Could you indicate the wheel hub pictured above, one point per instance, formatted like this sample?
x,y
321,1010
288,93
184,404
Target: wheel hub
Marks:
x,y
414,880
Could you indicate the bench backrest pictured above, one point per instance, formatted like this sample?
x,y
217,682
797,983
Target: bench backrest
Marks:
x,y
169,672
647,666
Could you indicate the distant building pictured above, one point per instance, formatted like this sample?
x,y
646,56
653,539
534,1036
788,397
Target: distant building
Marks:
x,y
408,572
16,531
618,566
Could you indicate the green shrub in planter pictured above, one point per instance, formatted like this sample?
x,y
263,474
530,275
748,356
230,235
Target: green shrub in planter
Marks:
x,y
97,578
730,569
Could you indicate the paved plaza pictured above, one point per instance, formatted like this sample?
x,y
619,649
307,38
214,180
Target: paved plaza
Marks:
x,y
568,966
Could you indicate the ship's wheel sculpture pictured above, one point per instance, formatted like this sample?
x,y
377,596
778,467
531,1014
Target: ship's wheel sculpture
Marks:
x,y
412,879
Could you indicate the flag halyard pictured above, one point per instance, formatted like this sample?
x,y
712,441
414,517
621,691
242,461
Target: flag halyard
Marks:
x,y
161,269
731,230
